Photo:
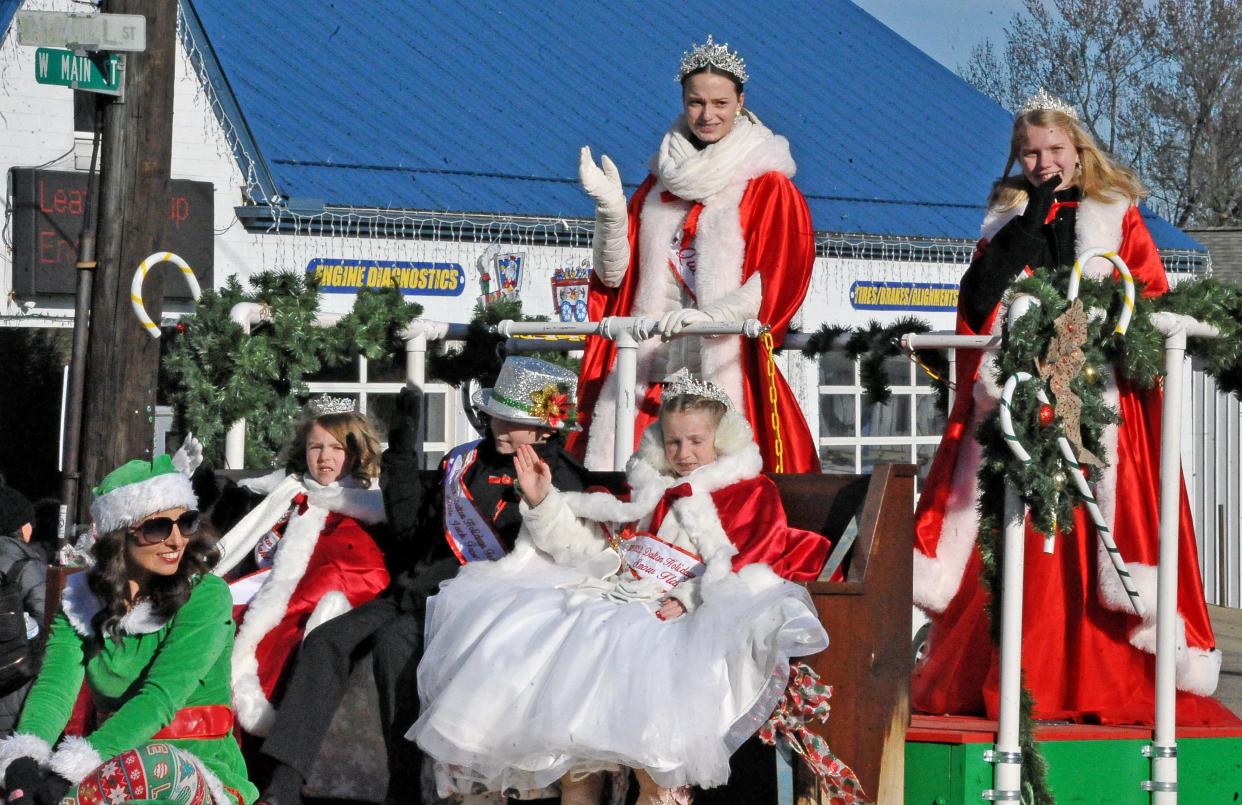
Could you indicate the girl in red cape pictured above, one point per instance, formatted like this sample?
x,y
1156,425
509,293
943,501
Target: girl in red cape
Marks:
x,y
716,232
312,540
652,632
1085,655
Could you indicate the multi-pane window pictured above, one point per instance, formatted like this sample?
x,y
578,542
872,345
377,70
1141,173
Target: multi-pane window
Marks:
x,y
375,384
855,434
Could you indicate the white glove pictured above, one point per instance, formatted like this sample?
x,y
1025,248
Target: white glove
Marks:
x,y
188,456
610,248
675,321
601,182
738,305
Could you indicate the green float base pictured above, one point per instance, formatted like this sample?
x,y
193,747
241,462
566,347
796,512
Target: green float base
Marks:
x,y
1086,764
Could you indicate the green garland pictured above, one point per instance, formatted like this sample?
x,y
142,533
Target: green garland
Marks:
x,y
874,344
215,374
1137,357
481,354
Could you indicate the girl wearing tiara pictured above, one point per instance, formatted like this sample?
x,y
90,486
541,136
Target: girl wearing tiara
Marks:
x,y
1086,656
653,633
716,233
312,541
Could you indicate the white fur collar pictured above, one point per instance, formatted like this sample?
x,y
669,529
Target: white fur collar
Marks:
x,y
347,496
750,150
80,605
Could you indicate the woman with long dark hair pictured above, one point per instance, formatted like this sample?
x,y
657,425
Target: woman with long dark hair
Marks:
x,y
149,629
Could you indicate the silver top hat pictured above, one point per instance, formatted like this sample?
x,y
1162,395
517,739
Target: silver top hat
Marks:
x,y
532,392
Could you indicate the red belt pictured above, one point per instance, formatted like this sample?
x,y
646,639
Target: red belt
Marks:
x,y
202,721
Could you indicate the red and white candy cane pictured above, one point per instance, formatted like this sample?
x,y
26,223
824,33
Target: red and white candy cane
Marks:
x,y
135,289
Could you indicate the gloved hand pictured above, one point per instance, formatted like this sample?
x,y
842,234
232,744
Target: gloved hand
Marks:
x,y
403,429
675,321
188,456
1039,204
601,182
23,780
53,790
610,248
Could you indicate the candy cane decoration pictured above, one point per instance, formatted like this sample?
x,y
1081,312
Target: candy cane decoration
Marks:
x,y
1127,279
1084,488
135,289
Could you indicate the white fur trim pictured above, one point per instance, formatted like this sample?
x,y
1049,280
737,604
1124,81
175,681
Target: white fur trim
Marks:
x,y
23,744
80,606
333,604
718,281
266,610
1202,671
1098,225
994,220
124,506
75,758
264,484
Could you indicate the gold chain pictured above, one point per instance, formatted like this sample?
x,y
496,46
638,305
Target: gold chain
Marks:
x,y
777,445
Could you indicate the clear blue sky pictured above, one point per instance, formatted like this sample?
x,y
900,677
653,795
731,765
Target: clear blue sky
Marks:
x,y
946,30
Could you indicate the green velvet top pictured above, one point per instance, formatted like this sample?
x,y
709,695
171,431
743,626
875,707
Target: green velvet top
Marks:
x,y
157,668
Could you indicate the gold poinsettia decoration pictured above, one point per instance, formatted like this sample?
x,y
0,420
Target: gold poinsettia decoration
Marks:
x,y
551,404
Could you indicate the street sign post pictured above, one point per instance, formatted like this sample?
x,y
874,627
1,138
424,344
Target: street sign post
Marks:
x,y
60,29
104,73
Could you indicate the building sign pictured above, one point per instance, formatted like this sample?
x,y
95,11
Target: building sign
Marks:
x,y
413,279
49,210
929,296
570,284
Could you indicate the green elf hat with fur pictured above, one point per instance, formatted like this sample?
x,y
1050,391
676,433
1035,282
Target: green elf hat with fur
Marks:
x,y
139,488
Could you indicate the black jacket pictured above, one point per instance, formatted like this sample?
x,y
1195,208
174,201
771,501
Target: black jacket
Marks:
x,y
419,557
1010,251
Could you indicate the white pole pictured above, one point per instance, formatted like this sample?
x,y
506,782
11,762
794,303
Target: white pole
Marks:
x,y
1163,749
1007,754
244,313
627,374
64,401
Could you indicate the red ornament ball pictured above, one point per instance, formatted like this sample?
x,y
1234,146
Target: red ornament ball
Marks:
x,y
1046,415
181,327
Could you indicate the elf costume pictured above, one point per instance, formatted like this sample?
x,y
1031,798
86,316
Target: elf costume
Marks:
x,y
160,684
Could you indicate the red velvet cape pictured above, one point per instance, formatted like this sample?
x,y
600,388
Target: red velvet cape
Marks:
x,y
1076,657
780,245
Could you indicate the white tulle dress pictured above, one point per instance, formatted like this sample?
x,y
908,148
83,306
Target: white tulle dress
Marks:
x,y
550,661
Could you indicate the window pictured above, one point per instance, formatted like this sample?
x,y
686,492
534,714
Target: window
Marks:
x,y
855,434
375,384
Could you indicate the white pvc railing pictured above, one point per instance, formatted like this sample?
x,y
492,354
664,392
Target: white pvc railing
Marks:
x,y
1162,751
629,332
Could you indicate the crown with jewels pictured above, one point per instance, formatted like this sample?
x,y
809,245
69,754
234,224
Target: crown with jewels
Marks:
x,y
718,56
324,405
685,383
1045,100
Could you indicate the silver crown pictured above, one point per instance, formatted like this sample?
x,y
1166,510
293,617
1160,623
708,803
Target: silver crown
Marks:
x,y
685,383
1045,100
718,56
324,405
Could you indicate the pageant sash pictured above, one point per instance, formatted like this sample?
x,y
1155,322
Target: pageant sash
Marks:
x,y
469,534
683,258
649,557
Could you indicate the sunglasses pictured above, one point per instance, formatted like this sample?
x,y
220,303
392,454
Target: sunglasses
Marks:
x,y
158,529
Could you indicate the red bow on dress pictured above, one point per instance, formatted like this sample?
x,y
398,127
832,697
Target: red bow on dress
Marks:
x,y
671,496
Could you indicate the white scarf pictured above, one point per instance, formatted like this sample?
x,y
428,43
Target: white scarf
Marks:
x,y
698,174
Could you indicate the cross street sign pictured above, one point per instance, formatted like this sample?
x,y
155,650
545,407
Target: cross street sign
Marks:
x,y
60,29
104,73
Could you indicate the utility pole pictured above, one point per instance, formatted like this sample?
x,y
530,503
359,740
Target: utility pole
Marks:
x,y
123,360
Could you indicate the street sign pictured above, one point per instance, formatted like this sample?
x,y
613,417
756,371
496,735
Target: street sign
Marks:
x,y
103,73
62,29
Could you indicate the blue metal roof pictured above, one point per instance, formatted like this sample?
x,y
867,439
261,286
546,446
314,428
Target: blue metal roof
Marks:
x,y
8,8
482,105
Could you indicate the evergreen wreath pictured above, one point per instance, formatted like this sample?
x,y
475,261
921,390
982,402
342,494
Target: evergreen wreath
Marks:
x,y
1136,357
215,374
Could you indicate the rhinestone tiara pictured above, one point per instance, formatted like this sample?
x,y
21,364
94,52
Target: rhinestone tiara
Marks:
x,y
685,383
718,56
324,405
1044,100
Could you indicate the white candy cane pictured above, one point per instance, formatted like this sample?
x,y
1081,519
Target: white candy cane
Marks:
x,y
1084,488
1127,279
135,288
